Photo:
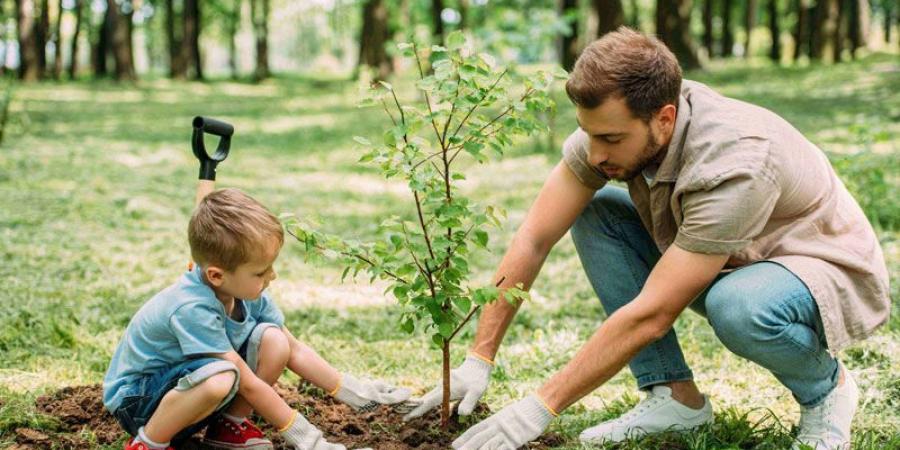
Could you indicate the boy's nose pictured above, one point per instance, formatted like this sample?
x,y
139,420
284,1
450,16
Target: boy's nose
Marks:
x,y
273,276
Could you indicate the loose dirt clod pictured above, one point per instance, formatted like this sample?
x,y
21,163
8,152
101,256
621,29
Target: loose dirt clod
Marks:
x,y
84,423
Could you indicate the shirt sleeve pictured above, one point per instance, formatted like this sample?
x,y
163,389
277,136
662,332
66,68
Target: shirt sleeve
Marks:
x,y
199,329
575,154
726,217
269,311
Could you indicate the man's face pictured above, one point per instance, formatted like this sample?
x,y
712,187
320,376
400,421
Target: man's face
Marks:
x,y
622,145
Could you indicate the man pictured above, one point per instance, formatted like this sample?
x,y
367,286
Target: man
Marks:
x,y
729,210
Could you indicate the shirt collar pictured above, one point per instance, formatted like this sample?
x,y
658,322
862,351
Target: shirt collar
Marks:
x,y
669,167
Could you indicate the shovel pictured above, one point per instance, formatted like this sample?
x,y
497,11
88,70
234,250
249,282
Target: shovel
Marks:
x,y
208,163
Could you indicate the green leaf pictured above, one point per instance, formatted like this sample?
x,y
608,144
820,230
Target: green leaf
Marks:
x,y
362,140
407,325
463,303
437,340
481,238
386,85
455,40
445,329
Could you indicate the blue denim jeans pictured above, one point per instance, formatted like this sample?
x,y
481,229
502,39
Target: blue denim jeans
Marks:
x,y
761,312
144,396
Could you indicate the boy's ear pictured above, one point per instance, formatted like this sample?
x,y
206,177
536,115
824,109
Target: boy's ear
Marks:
x,y
214,275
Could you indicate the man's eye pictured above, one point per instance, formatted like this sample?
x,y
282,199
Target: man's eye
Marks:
x,y
609,140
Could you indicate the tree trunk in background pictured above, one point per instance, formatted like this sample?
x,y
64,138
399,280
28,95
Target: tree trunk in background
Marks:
x,y
858,25
57,41
568,44
259,13
101,48
233,23
3,44
73,45
634,20
673,28
28,65
190,39
41,35
775,31
177,66
840,34
727,31
708,28
372,39
749,23
800,28
120,32
610,15
825,30
437,23
463,14
887,21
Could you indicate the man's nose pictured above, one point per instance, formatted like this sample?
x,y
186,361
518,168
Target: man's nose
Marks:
x,y
597,155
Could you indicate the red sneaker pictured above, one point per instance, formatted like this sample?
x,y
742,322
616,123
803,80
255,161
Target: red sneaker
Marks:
x,y
225,434
132,445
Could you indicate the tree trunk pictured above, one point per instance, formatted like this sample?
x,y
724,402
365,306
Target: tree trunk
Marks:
x,y
610,15
708,27
372,39
727,31
190,40
887,21
445,398
673,27
28,65
463,14
634,20
234,22
436,22
858,25
73,45
800,28
101,48
775,31
824,33
41,35
840,34
57,41
259,12
568,43
121,41
749,23
177,66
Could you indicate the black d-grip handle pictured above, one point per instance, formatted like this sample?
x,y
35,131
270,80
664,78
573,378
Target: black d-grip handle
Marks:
x,y
215,127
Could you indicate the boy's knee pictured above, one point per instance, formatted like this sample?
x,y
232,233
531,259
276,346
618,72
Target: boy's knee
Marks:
x,y
219,386
274,346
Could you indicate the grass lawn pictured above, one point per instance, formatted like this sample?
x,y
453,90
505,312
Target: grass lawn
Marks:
x,y
97,183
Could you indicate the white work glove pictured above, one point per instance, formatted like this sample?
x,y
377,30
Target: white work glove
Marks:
x,y
467,382
366,395
509,429
302,435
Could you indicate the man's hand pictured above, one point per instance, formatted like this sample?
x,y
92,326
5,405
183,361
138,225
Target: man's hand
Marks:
x,y
467,382
366,395
509,429
302,435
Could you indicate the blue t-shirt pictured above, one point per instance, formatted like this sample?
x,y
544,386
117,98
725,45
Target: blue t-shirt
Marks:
x,y
184,320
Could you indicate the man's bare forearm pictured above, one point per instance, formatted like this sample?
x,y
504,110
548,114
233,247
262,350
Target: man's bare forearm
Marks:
x,y
521,264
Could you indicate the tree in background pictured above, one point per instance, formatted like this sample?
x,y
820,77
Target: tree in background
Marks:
x,y
727,29
120,19
78,6
437,22
259,16
774,31
801,28
610,15
372,40
749,24
569,48
29,70
825,31
673,28
708,40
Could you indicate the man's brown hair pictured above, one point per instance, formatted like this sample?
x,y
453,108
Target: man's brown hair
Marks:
x,y
229,228
628,64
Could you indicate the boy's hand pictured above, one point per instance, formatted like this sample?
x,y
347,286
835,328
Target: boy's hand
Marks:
x,y
366,395
302,435
467,382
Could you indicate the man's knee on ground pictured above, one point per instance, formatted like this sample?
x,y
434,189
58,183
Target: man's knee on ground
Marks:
x,y
274,347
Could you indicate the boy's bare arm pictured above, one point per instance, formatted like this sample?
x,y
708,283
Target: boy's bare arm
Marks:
x,y
305,362
265,401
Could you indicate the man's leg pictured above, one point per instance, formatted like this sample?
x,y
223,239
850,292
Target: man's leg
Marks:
x,y
617,254
764,313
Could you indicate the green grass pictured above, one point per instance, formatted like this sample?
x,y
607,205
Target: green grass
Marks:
x,y
97,183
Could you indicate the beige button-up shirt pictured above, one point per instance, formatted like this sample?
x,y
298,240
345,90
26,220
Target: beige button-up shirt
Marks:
x,y
738,179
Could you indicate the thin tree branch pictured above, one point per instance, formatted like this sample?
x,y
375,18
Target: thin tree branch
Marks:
x,y
359,257
469,316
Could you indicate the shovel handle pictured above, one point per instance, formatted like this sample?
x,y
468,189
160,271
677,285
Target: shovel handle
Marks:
x,y
209,162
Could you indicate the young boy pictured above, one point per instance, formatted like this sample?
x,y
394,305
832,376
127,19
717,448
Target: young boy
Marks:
x,y
206,350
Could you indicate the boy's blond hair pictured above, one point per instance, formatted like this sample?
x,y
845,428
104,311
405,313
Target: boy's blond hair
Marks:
x,y
229,228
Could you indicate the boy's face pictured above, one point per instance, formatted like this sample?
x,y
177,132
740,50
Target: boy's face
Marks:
x,y
248,280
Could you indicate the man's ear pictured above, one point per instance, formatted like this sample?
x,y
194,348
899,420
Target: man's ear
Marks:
x,y
666,116
214,275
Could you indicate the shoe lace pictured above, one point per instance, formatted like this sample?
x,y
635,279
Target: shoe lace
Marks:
x,y
649,402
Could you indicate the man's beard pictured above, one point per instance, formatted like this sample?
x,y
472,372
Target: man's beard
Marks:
x,y
647,157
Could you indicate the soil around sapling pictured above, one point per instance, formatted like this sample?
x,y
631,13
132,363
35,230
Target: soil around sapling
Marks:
x,y
83,422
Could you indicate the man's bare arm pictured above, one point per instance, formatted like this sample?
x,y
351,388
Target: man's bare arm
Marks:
x,y
677,279
560,201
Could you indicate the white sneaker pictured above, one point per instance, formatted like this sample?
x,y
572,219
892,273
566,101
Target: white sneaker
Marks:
x,y
827,426
658,412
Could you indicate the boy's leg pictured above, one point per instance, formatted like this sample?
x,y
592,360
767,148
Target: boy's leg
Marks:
x,y
172,404
267,352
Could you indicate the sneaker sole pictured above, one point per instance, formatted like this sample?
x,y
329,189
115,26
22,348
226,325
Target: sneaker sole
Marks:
x,y
225,446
